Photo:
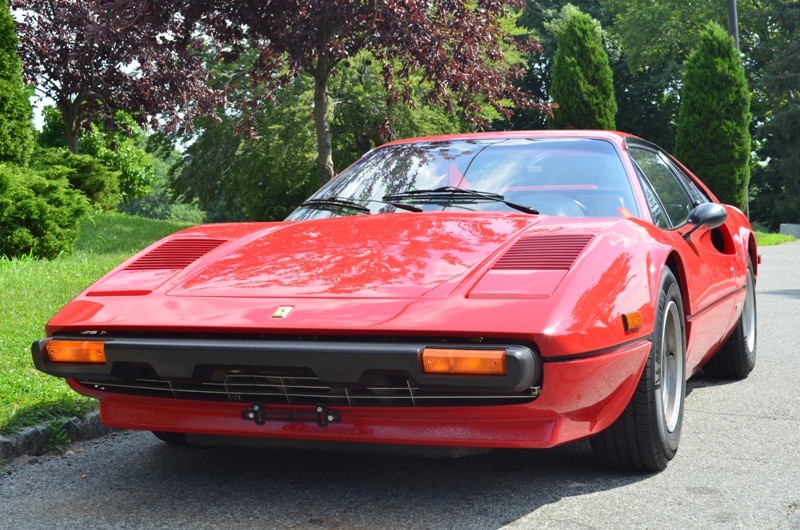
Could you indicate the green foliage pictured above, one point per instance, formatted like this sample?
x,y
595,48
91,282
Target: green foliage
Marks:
x,y
54,129
33,290
582,82
658,36
117,146
713,137
775,182
361,110
764,239
85,173
16,126
39,212
160,202
57,437
654,39
645,108
537,19
265,177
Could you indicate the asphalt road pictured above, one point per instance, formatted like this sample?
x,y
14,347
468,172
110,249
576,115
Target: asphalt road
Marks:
x,y
738,467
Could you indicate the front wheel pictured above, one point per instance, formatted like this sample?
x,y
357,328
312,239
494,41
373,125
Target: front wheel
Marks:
x,y
645,437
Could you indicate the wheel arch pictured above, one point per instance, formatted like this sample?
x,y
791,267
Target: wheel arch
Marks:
x,y
752,251
676,265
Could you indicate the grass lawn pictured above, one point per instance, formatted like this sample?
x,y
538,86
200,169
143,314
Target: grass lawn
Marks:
x,y
32,291
763,239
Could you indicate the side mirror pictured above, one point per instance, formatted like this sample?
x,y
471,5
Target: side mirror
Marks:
x,y
708,214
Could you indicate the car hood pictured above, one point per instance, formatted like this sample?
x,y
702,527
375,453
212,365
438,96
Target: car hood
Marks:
x,y
384,256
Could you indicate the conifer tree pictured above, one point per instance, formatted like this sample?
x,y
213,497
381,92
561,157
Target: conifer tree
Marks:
x,y
16,126
713,138
582,82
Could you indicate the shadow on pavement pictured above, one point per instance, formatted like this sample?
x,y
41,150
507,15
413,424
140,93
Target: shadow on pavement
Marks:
x,y
373,491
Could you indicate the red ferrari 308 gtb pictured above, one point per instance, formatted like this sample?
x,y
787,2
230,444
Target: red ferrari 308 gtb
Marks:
x,y
515,289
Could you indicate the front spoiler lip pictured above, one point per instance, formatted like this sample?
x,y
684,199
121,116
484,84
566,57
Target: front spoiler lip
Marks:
x,y
334,362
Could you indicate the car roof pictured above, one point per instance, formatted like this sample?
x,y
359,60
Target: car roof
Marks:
x,y
614,136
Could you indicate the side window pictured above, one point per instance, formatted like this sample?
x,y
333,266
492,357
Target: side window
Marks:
x,y
676,201
659,217
696,193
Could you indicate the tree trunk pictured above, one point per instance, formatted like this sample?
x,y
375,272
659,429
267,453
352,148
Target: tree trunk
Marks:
x,y
69,113
324,149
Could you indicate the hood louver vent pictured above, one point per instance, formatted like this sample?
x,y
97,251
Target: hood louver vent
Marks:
x,y
545,253
175,254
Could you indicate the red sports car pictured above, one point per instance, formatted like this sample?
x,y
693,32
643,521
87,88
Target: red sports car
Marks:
x,y
515,289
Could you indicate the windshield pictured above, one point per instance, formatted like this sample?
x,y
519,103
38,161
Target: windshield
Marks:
x,y
566,177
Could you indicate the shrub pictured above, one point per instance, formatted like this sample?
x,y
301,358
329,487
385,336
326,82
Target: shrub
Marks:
x,y
91,176
16,126
118,149
582,81
159,204
713,137
39,212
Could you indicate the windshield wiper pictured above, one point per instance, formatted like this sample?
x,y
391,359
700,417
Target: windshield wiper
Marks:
x,y
453,195
345,203
339,202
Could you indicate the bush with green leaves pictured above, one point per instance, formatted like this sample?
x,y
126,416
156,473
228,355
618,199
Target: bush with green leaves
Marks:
x,y
118,147
39,212
582,81
16,126
713,124
160,204
92,177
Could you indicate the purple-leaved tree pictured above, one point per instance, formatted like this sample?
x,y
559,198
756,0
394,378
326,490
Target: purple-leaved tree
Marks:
x,y
83,54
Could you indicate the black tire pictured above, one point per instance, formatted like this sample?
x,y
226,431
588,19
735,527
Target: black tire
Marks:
x,y
172,438
737,357
645,437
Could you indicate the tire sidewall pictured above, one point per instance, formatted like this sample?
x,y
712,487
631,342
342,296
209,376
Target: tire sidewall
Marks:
x,y
669,292
750,355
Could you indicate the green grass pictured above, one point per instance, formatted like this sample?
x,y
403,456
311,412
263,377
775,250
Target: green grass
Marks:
x,y
764,239
32,291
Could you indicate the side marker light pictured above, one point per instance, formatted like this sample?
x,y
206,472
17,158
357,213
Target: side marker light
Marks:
x,y
632,321
76,351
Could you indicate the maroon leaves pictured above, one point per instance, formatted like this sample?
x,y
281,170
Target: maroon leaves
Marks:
x,y
93,61
82,52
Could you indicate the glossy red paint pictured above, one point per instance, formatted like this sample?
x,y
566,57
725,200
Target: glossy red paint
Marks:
x,y
405,288
432,274
585,396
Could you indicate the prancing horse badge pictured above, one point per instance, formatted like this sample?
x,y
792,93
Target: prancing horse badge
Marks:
x,y
282,311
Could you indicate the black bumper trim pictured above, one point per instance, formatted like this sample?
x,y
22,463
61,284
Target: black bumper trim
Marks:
x,y
334,362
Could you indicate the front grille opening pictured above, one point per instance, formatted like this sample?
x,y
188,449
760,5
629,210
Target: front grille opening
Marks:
x,y
298,386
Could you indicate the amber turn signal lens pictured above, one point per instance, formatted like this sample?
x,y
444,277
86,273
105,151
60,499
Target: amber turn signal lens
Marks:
x,y
76,351
464,362
632,321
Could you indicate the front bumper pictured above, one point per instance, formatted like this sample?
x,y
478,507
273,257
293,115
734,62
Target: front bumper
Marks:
x,y
335,363
577,397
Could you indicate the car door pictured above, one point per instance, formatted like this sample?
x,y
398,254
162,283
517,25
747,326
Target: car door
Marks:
x,y
709,254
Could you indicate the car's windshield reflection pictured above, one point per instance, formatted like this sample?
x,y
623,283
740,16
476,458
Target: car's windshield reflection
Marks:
x,y
565,177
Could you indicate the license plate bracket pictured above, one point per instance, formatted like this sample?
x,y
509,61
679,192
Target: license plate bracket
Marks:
x,y
321,415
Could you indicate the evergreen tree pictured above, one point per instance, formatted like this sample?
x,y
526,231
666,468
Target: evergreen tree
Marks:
x,y
16,126
713,137
582,82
